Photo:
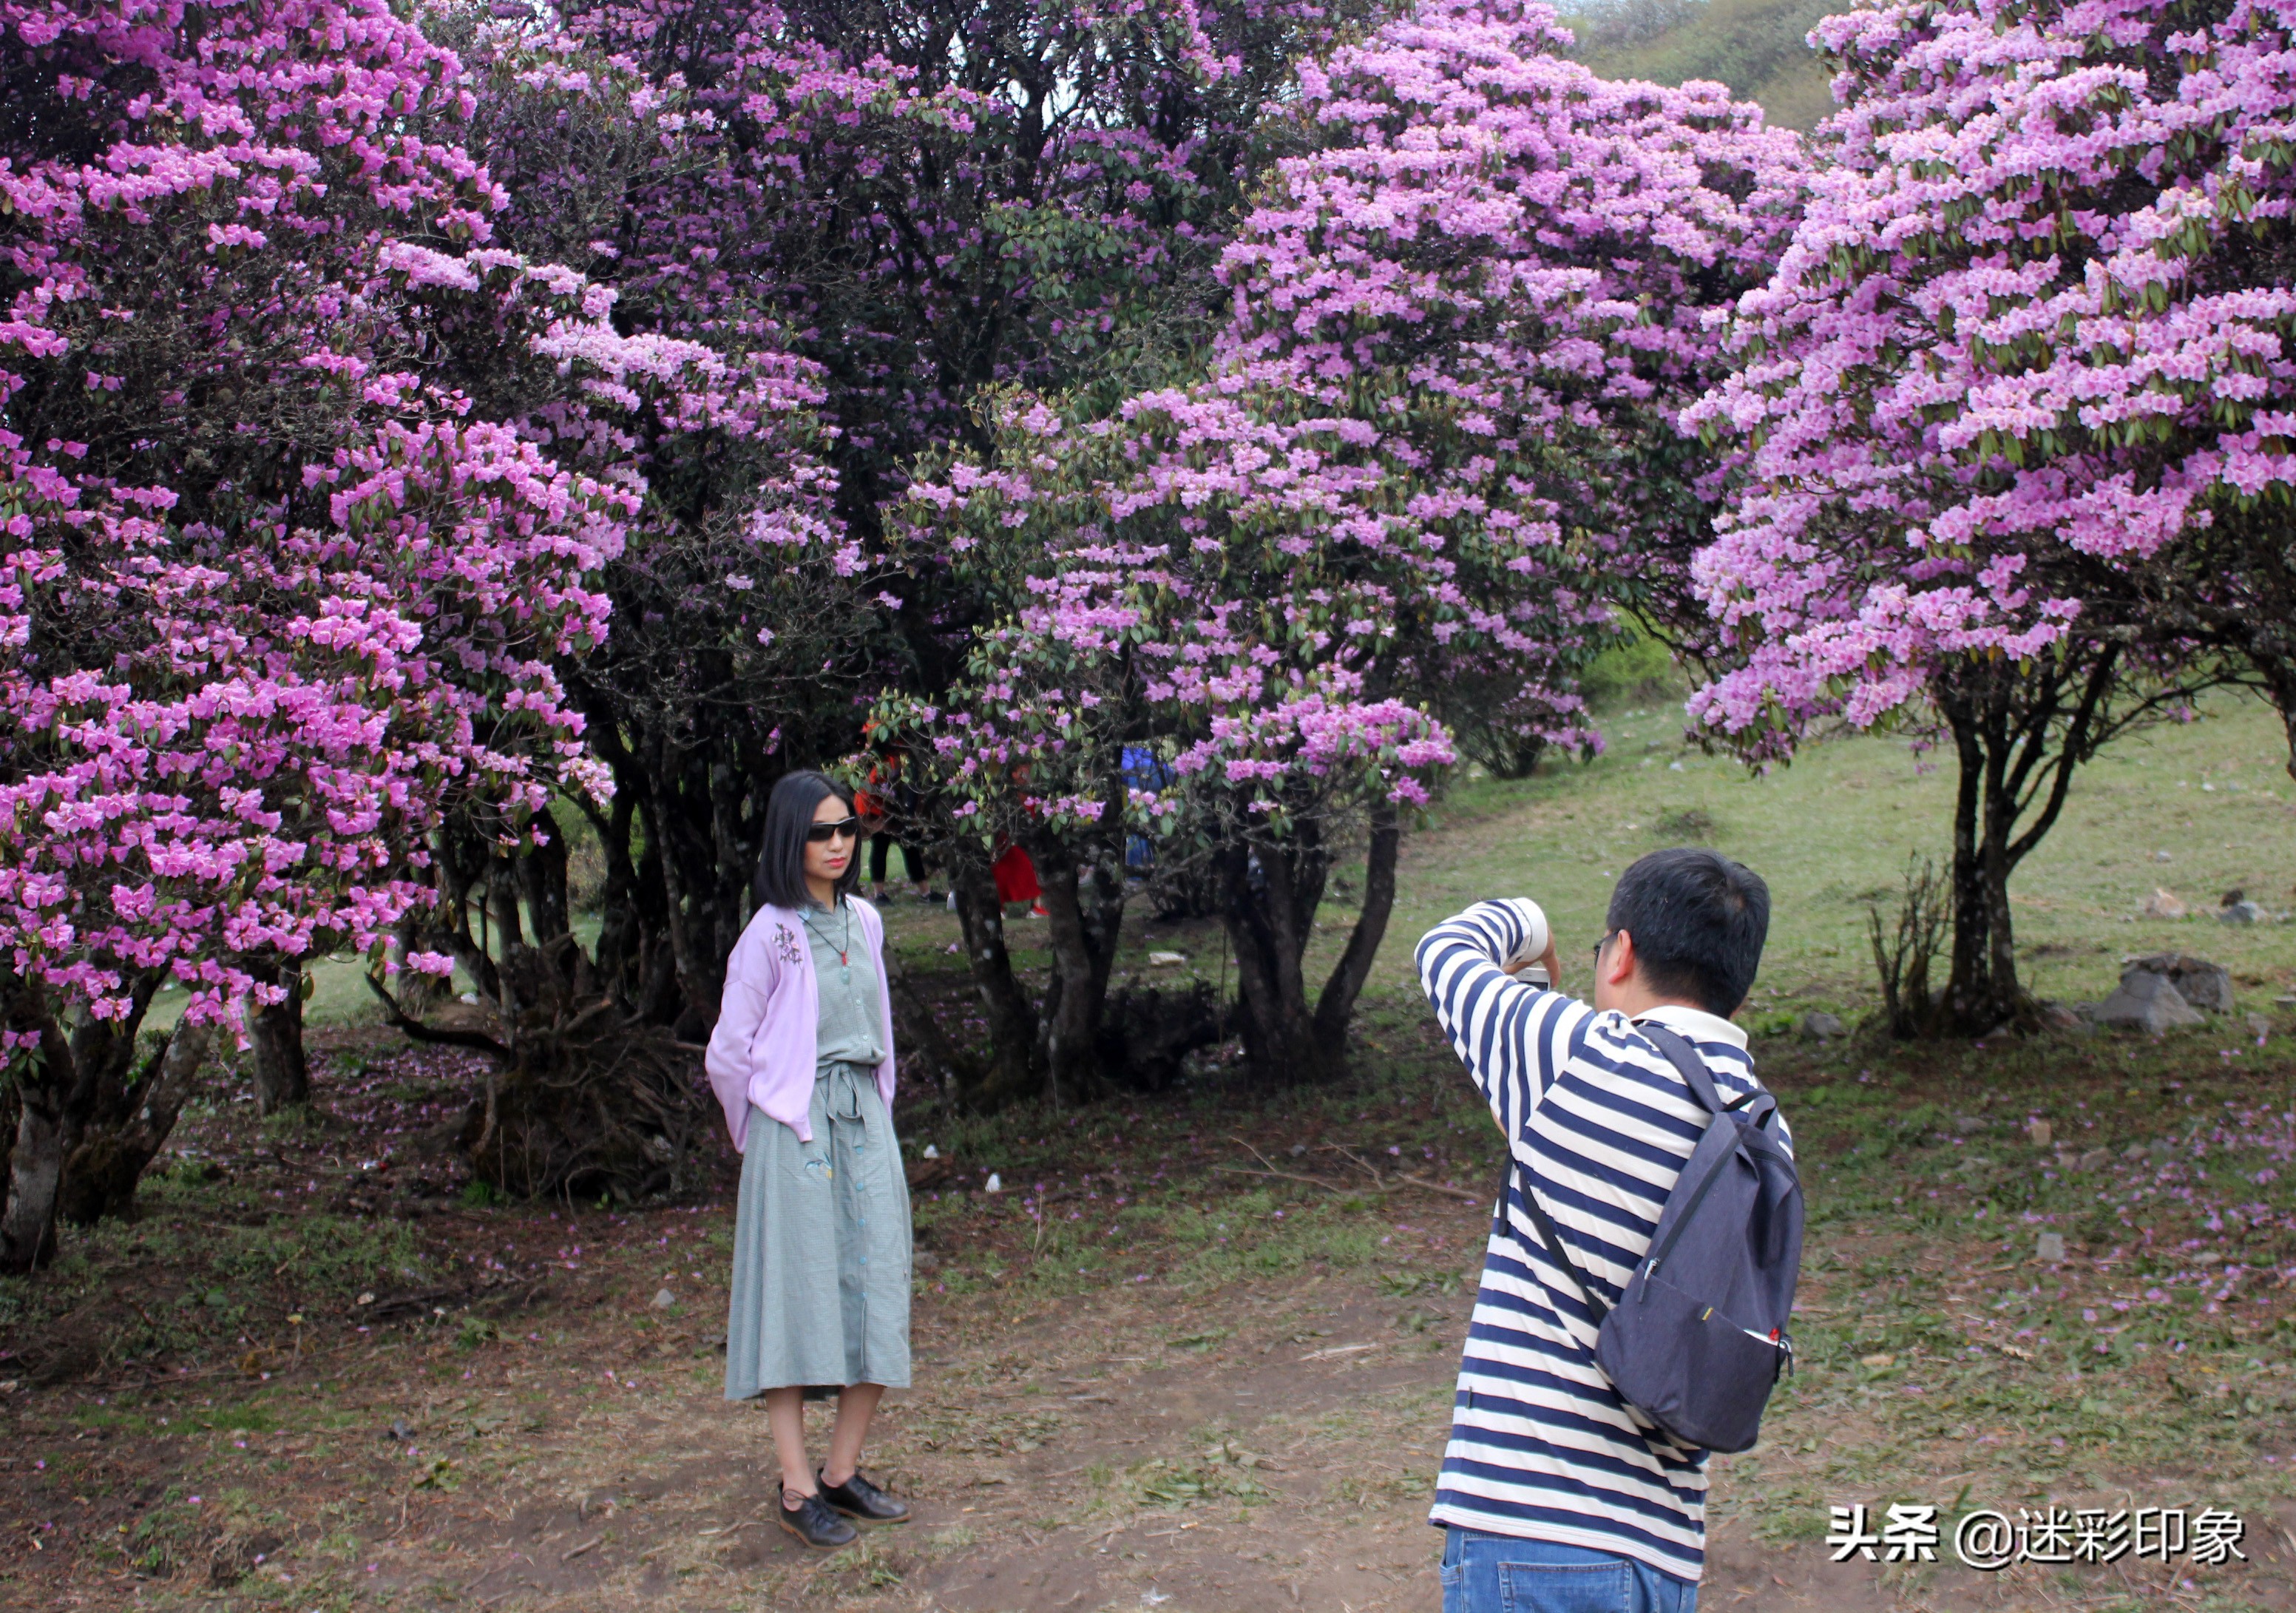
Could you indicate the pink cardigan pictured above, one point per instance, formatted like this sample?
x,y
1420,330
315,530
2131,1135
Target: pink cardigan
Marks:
x,y
769,1022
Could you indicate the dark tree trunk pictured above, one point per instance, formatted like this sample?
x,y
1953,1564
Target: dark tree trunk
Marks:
x,y
44,1135
71,1081
1272,890
1271,1012
542,882
1015,1069
621,949
1972,992
505,937
274,1036
2018,734
463,862
734,855
661,833
129,1130
633,954
506,928
1335,1006
1086,917
12,1115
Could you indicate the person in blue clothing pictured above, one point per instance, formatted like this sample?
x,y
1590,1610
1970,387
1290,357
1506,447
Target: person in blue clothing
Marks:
x,y
1142,771
1556,1494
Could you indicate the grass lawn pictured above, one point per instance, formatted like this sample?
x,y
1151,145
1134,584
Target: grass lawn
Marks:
x,y
2199,809
317,1373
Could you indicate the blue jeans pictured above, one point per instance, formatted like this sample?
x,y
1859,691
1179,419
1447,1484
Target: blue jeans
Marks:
x,y
1498,1574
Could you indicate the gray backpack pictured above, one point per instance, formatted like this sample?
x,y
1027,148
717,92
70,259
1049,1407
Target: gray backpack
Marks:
x,y
1698,1337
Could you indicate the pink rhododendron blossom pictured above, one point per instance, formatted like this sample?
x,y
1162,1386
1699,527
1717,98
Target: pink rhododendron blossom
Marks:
x,y
1476,297
281,600
2023,372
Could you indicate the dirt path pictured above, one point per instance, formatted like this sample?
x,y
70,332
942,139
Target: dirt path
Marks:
x,y
1256,1448
1151,1374
1266,1445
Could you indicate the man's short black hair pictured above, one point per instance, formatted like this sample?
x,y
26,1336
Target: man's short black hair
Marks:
x,y
1699,921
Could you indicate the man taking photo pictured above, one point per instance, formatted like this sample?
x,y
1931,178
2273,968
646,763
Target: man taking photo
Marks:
x,y
1557,1494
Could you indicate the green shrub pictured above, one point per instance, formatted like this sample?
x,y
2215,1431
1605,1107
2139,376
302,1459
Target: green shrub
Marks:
x,y
1637,673
1759,48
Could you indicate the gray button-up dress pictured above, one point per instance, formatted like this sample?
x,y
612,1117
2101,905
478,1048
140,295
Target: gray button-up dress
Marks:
x,y
821,1235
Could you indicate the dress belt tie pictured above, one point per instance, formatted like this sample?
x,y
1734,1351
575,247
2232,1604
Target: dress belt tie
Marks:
x,y
842,1101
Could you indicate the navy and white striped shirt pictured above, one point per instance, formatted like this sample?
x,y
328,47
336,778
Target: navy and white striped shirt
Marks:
x,y
1542,1446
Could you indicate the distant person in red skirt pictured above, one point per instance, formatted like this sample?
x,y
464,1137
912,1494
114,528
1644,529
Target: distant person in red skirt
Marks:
x,y
1016,881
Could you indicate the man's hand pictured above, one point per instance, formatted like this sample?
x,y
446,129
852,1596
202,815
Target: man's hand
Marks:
x,y
1546,960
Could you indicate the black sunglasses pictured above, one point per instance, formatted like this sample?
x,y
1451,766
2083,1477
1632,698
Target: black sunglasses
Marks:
x,y
1600,944
844,828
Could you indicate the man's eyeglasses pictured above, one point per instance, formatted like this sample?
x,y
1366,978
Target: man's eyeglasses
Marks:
x,y
1600,944
844,828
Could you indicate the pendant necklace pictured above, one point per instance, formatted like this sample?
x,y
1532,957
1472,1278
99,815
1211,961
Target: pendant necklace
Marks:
x,y
844,952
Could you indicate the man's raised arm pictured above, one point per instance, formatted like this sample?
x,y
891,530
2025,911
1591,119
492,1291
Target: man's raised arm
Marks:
x,y
1511,1035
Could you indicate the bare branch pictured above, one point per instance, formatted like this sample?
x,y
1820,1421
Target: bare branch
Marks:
x,y
429,1034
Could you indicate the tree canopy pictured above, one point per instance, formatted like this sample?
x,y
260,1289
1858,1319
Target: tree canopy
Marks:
x,y
1169,439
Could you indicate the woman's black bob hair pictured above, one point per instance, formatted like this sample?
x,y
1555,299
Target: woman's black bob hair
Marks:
x,y
781,859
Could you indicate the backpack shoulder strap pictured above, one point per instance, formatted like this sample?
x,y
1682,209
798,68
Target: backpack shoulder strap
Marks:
x,y
1692,1069
1552,1241
1760,1105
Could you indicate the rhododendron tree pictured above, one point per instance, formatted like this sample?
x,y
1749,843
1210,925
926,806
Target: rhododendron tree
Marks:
x,y
933,196
1436,454
2017,400
198,783
738,624
1463,326
733,589
288,608
1159,605
923,200
1506,269
1028,747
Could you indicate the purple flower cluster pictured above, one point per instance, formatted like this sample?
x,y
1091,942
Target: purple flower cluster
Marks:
x,y
1453,321
280,590
2023,372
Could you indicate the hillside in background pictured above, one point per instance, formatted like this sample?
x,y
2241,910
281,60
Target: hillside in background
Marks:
x,y
1758,47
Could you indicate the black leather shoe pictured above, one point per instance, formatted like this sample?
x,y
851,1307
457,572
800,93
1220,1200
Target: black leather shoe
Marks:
x,y
857,1497
813,1522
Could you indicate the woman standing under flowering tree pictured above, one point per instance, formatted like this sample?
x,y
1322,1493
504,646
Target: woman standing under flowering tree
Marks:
x,y
803,1060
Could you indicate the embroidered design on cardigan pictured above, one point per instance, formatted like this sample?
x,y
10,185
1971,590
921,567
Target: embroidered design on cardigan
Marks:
x,y
786,940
